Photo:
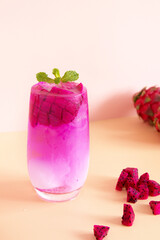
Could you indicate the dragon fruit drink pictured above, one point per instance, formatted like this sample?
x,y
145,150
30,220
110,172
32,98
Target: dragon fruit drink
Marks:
x,y
58,139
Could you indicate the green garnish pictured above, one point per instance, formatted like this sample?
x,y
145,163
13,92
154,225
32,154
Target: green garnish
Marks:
x,y
55,72
41,76
69,76
57,80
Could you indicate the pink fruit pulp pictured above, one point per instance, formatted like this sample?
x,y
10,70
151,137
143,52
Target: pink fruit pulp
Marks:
x,y
58,155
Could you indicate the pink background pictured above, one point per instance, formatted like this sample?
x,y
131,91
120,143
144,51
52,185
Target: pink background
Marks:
x,y
114,45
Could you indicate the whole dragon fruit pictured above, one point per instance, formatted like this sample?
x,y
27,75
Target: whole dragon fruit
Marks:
x,y
147,103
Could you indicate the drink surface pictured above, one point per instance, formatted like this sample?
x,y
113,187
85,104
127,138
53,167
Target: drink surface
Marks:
x,y
58,137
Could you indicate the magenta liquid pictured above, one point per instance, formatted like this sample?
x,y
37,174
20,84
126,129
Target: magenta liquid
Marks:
x,y
58,139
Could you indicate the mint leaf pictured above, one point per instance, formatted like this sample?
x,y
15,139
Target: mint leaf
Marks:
x,y
56,73
57,80
50,80
70,76
42,77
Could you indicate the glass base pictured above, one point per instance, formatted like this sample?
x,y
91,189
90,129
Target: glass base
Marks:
x,y
55,197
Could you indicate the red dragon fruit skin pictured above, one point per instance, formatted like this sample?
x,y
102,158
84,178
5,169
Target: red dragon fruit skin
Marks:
x,y
100,231
144,191
132,195
144,178
155,206
156,121
128,215
154,188
147,103
121,180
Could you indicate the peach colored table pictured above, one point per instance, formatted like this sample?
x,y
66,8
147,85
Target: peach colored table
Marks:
x,y
115,144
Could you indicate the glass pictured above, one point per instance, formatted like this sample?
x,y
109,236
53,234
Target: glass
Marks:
x,y
58,139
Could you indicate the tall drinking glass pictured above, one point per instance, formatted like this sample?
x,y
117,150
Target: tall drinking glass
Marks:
x,y
58,139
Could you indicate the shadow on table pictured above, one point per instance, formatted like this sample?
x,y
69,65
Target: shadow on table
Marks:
x,y
87,236
130,129
116,106
101,183
120,105
19,190
143,208
105,185
115,220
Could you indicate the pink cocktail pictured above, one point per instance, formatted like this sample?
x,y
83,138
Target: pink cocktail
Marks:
x,y
58,139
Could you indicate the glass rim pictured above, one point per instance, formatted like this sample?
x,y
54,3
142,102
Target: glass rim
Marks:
x,y
48,93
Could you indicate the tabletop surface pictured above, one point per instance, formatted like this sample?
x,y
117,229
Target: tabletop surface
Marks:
x,y
114,144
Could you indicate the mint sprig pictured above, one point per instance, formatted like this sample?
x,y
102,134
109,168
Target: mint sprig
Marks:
x,y
57,80
69,76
